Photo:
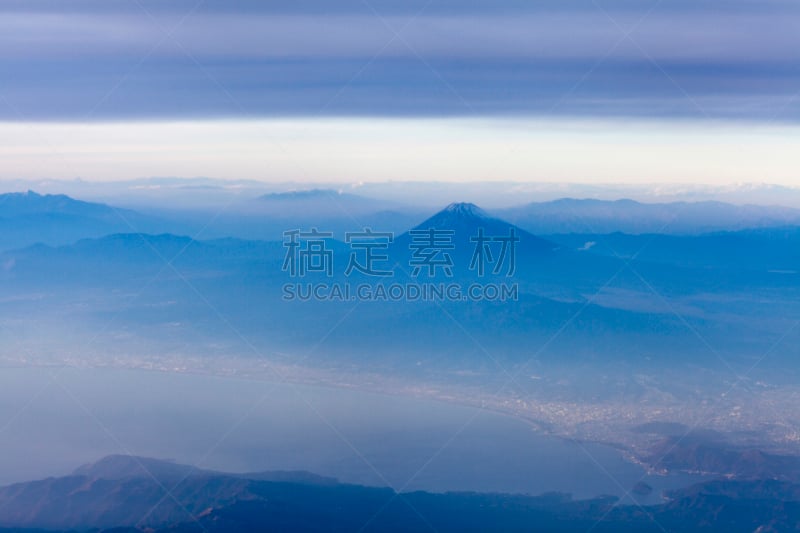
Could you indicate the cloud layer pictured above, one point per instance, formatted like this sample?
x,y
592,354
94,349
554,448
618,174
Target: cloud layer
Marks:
x,y
109,59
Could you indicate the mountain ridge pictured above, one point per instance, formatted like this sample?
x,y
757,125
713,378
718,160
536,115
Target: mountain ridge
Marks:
x,y
223,502
28,218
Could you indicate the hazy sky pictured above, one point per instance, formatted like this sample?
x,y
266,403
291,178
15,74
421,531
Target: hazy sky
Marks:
x,y
353,90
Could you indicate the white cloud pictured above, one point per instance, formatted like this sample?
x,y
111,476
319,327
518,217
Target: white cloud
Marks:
x,y
368,150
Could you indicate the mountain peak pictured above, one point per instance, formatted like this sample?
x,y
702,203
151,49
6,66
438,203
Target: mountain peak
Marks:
x,y
464,217
466,209
31,202
129,466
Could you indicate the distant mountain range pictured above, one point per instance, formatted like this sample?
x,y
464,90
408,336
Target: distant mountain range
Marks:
x,y
28,218
209,193
597,306
569,215
314,201
127,494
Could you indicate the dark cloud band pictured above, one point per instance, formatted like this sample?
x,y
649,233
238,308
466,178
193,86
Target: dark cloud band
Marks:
x,y
138,59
